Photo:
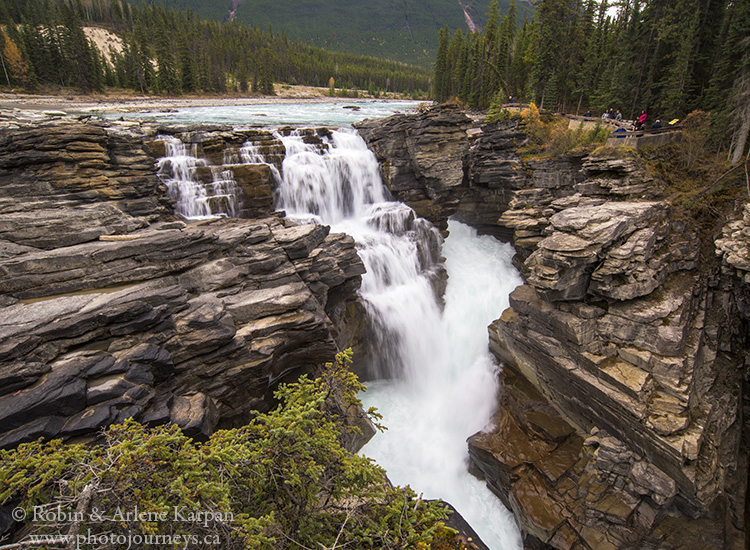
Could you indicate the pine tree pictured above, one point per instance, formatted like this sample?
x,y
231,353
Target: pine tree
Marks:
x,y
524,54
507,37
88,75
167,77
442,76
266,77
188,69
490,75
456,63
682,21
554,16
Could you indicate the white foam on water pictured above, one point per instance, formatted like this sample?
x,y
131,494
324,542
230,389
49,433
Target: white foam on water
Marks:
x,y
440,383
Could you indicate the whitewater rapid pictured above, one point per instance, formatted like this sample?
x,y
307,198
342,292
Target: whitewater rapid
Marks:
x,y
437,380
440,381
449,397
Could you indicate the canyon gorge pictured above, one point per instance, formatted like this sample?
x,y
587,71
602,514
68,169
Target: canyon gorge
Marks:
x,y
622,415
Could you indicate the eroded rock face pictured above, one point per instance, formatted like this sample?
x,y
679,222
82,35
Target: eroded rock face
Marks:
x,y
422,158
443,164
622,330
113,309
618,328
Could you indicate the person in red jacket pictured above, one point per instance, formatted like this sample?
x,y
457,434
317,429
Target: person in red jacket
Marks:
x,y
641,120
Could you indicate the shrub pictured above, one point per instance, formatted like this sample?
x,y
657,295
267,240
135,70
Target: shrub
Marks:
x,y
284,480
551,135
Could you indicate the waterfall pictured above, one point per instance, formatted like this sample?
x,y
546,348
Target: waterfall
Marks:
x,y
196,199
250,154
439,381
429,417
436,382
337,182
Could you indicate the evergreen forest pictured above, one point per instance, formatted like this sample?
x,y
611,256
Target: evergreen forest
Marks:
x,y
164,51
666,57
405,31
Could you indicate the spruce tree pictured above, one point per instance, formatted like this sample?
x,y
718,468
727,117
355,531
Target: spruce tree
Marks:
x,y
456,63
442,76
507,37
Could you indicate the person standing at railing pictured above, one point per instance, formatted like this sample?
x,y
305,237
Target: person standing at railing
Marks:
x,y
641,120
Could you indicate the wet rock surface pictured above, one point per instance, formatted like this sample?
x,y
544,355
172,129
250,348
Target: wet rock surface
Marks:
x,y
112,308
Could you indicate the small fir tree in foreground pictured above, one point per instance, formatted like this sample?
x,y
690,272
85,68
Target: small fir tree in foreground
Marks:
x,y
284,480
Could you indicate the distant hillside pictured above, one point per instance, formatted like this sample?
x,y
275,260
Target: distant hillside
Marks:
x,y
404,30
152,49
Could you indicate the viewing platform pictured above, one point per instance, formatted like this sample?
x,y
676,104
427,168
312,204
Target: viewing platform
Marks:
x,y
626,134
630,137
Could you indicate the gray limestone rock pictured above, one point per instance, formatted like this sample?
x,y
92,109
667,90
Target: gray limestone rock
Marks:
x,y
196,415
112,308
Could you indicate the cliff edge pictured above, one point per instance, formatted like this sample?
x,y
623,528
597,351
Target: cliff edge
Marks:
x,y
622,418
113,308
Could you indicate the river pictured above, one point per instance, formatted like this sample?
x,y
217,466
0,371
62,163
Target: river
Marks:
x,y
438,381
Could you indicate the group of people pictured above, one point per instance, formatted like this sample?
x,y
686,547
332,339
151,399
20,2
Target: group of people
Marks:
x,y
609,114
640,123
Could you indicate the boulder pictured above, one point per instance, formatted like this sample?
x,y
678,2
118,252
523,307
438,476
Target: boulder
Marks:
x,y
196,415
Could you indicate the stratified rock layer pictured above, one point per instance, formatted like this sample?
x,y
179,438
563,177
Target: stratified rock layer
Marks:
x,y
617,328
113,309
621,422
438,162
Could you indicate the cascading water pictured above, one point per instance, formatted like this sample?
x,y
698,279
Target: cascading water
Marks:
x,y
195,199
334,180
440,381
338,183
430,416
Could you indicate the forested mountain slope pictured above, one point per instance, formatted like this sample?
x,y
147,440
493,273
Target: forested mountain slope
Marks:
x,y
404,30
169,51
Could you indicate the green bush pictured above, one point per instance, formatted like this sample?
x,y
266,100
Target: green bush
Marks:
x,y
282,481
497,113
550,135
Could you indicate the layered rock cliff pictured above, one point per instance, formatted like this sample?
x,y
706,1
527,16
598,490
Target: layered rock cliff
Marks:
x,y
113,308
621,421
441,164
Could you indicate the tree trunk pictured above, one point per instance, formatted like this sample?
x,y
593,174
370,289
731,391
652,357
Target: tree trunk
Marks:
x,y
741,112
741,138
